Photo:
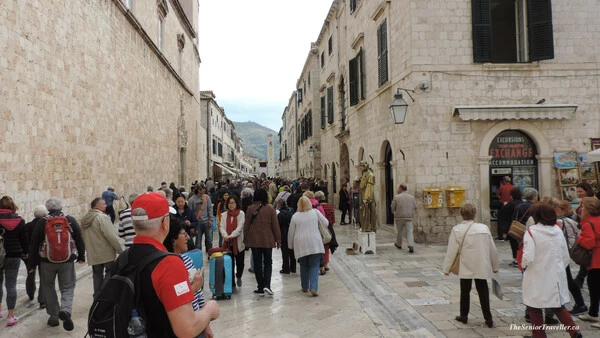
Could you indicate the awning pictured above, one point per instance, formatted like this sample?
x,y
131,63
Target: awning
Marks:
x,y
516,112
227,170
593,156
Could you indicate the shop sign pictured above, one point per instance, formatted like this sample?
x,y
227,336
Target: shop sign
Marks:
x,y
512,148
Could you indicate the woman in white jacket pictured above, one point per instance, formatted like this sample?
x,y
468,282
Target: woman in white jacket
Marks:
x,y
305,239
545,258
232,230
478,259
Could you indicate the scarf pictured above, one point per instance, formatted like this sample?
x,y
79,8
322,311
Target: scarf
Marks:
x,y
231,226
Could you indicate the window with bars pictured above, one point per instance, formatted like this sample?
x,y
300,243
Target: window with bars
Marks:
x,y
330,104
355,69
382,53
512,31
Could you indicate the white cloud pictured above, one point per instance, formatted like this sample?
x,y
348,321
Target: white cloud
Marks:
x,y
253,52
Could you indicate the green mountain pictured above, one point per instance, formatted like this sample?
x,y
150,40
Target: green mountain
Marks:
x,y
254,136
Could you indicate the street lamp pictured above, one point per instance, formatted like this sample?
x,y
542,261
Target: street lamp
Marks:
x,y
311,151
399,106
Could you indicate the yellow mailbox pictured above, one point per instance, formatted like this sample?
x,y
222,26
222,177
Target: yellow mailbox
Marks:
x,y
432,198
455,195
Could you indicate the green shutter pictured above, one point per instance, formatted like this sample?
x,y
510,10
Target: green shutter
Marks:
x,y
541,41
353,76
330,104
382,51
482,31
323,123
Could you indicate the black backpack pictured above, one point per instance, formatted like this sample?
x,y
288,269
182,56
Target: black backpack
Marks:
x,y
111,310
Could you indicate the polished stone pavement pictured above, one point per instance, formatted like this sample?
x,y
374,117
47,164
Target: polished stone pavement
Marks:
x,y
390,294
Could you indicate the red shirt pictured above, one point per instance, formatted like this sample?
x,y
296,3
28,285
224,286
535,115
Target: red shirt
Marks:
x,y
504,193
169,278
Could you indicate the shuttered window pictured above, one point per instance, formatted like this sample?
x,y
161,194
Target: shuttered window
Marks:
x,y
512,31
330,104
355,67
541,39
323,122
382,53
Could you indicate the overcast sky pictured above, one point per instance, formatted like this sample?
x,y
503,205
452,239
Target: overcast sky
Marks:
x,y
253,52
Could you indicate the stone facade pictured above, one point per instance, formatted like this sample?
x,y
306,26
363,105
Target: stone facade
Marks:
x,y
90,100
225,148
430,51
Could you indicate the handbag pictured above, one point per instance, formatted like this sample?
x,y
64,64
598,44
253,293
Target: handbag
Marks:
x,y
456,264
581,255
325,234
517,228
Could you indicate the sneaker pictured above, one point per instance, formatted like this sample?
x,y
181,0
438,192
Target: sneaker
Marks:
x,y
588,318
596,325
314,293
305,290
53,321
67,322
577,309
411,249
514,264
239,282
398,246
12,320
284,272
260,292
268,291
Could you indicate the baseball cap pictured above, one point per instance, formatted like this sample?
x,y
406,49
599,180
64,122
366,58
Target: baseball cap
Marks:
x,y
153,203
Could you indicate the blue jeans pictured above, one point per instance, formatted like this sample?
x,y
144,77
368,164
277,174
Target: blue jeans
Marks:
x,y
205,229
309,271
263,266
9,273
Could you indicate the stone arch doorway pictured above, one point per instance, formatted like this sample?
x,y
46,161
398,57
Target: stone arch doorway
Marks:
x,y
544,157
514,155
388,181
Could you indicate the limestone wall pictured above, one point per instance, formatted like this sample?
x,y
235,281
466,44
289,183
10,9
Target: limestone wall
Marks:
x,y
85,103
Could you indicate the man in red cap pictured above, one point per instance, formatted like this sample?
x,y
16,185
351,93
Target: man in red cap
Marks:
x,y
165,286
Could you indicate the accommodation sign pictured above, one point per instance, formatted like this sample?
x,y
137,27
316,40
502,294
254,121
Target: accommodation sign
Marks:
x,y
512,148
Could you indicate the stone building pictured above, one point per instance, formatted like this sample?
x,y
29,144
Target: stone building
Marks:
x,y
497,89
98,93
225,149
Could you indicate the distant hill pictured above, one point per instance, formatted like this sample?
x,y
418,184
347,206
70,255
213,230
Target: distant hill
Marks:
x,y
254,136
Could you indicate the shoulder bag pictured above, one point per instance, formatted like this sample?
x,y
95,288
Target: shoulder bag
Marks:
x,y
456,264
581,255
325,234
517,228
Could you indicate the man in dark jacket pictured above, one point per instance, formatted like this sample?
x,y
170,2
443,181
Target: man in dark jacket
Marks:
x,y
50,271
39,213
284,217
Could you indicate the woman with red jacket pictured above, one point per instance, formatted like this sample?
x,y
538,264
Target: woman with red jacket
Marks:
x,y
12,228
589,238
